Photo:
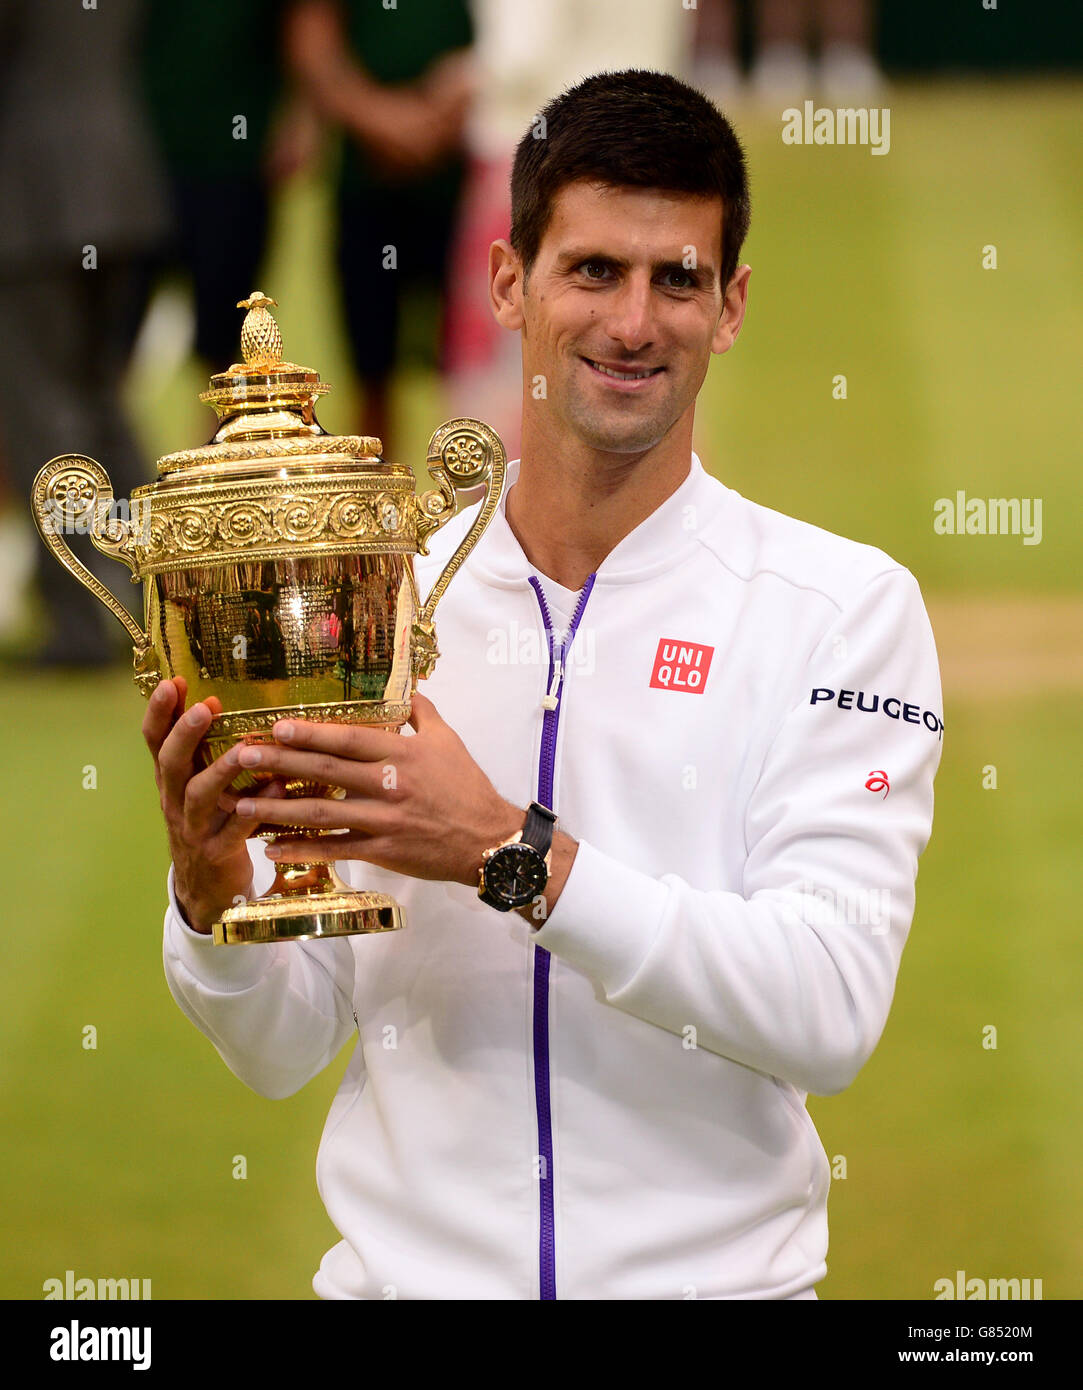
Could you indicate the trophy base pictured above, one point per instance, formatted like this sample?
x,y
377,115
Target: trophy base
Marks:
x,y
294,909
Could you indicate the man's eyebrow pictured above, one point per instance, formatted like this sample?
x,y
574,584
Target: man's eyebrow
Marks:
x,y
573,257
567,260
702,269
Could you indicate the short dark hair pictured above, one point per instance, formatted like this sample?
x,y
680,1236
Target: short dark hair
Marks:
x,y
636,129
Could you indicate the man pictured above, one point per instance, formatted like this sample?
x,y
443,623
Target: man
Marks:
x,y
224,141
82,218
397,82
602,1093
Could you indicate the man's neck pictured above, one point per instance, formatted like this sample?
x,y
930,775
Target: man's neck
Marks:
x,y
572,505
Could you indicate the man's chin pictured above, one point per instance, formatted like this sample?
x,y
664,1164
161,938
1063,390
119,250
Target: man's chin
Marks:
x,y
622,436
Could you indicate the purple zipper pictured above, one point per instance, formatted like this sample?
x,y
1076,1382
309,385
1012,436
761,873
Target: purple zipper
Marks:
x,y
547,1274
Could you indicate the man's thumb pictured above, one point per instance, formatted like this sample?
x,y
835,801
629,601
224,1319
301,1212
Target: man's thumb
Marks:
x,y
422,712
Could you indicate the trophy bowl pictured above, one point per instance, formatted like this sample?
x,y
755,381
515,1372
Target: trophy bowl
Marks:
x,y
277,572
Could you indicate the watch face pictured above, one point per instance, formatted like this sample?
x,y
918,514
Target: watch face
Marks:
x,y
516,874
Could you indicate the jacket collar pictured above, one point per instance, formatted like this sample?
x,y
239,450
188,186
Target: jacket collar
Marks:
x,y
660,542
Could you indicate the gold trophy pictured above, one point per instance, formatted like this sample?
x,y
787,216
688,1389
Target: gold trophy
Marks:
x,y
277,564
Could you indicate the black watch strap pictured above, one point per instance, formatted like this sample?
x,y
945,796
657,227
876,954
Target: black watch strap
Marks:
x,y
538,829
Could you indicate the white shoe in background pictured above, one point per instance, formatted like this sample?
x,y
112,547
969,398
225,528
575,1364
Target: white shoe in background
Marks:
x,y
782,74
849,73
718,77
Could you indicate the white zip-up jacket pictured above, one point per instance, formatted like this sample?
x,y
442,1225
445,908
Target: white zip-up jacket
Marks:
x,y
746,725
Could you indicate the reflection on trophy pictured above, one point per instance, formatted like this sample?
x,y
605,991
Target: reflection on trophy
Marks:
x,y
278,576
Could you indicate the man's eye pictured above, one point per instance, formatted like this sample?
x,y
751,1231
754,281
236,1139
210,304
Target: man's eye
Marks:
x,y
680,280
594,270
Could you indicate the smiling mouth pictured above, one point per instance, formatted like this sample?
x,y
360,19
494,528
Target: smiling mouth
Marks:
x,y
630,374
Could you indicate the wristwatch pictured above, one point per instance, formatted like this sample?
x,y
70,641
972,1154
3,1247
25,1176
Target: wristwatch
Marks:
x,y
513,873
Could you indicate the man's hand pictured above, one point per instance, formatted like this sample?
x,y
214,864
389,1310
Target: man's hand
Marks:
x,y
417,805
408,130
405,128
211,866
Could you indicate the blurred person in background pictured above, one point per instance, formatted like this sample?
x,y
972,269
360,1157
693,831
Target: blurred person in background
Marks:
x,y
397,83
524,53
783,68
215,89
715,61
846,69
82,215
18,553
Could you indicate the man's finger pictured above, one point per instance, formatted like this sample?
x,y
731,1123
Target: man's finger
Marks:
x,y
320,813
158,719
237,829
360,778
422,711
165,707
202,792
343,740
176,758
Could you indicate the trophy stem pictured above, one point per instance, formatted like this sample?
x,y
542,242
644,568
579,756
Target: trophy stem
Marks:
x,y
300,880
307,901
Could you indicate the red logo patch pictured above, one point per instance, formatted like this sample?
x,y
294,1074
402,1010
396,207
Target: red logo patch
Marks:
x,y
681,666
878,782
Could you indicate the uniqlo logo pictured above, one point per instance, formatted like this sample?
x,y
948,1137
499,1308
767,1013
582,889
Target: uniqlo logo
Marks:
x,y
681,666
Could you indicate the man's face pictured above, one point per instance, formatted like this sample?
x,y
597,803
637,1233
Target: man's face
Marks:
x,y
622,309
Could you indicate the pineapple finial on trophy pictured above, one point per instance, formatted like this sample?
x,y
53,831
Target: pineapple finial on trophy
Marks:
x,y
261,341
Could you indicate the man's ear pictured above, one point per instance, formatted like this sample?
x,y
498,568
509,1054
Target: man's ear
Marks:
x,y
733,310
506,285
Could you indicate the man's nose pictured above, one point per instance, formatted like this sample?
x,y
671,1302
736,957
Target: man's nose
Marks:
x,y
630,321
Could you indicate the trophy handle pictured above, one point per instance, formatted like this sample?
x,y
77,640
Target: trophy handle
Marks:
x,y
462,454
73,493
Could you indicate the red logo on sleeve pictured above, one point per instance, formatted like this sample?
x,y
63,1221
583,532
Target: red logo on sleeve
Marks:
x,y
681,666
878,782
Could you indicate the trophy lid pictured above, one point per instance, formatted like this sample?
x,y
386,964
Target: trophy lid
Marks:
x,y
265,407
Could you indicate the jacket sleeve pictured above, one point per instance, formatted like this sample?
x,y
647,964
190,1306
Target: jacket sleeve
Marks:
x,y
278,1013
794,974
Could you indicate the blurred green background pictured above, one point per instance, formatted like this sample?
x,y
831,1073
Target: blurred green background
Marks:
x,y
119,1160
